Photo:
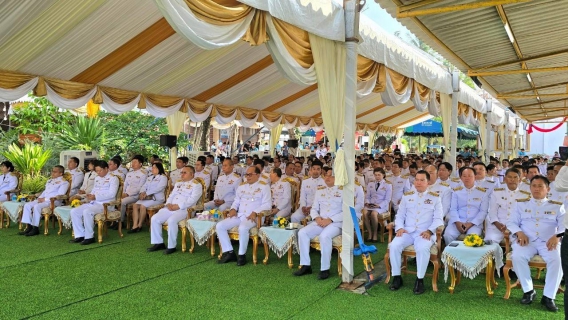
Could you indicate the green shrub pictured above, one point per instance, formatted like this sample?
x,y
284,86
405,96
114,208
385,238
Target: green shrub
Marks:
x,y
28,160
32,185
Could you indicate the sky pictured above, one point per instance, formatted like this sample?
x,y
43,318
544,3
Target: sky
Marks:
x,y
382,18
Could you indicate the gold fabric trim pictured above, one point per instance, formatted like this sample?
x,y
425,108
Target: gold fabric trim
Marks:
x,y
219,12
296,41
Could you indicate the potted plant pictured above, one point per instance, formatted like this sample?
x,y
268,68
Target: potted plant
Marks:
x,y
29,161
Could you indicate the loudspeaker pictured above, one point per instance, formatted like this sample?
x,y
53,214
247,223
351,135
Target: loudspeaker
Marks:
x,y
563,153
366,144
292,143
168,141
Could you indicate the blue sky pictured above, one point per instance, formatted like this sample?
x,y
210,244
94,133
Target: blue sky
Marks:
x,y
382,18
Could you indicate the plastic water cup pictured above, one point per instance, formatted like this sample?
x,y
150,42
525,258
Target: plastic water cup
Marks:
x,y
14,197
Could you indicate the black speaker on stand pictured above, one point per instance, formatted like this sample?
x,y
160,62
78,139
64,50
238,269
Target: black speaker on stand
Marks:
x,y
168,141
292,143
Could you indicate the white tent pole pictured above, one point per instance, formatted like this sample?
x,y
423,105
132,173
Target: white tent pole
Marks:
x,y
454,128
506,142
488,145
351,9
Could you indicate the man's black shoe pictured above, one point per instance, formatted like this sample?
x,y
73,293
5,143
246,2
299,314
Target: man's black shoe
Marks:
x,y
156,247
227,257
549,304
170,251
324,274
241,260
77,240
114,226
33,232
396,283
134,230
28,229
88,241
528,297
418,286
303,271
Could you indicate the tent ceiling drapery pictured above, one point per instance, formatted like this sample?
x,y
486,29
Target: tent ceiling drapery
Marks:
x,y
496,43
134,48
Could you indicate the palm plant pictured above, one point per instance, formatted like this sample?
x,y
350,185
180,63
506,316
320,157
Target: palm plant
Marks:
x,y
29,160
85,134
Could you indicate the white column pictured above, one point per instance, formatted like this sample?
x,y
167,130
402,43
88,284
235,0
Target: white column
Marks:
x,y
506,137
488,145
454,128
517,137
351,9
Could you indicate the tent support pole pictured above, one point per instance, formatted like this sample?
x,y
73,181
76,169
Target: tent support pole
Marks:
x,y
454,128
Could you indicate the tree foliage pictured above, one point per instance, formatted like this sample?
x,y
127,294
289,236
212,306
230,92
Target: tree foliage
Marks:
x,y
83,134
29,160
39,115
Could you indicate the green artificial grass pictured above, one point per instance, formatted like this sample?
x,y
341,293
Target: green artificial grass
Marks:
x,y
44,277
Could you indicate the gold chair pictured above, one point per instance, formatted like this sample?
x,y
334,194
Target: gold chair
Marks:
x,y
535,262
182,225
8,193
152,210
48,212
435,254
253,233
381,219
111,216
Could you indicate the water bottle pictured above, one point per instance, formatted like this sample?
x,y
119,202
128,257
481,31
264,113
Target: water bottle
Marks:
x,y
216,216
14,197
275,222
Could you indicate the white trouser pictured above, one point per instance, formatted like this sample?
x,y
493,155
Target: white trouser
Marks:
x,y
32,212
172,218
3,197
521,257
492,233
126,201
451,233
83,219
211,205
284,212
225,225
421,246
326,235
298,216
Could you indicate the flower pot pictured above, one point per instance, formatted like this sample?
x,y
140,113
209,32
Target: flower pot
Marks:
x,y
22,138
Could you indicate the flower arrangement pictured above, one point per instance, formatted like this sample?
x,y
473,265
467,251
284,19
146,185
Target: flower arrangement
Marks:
x,y
282,222
473,240
75,203
22,197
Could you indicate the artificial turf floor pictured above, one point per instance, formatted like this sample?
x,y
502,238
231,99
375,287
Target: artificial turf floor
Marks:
x,y
44,277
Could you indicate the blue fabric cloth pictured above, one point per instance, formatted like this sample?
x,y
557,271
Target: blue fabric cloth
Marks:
x,y
64,214
13,209
471,260
279,240
201,230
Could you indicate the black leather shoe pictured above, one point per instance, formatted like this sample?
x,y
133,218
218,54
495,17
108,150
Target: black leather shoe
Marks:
x,y
134,230
227,257
33,232
549,304
88,241
303,271
396,283
528,297
114,226
77,240
170,250
241,260
156,247
324,274
28,229
418,286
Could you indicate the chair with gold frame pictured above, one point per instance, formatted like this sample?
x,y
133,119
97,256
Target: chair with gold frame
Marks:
x,y
435,254
48,212
8,193
152,210
336,244
109,215
383,220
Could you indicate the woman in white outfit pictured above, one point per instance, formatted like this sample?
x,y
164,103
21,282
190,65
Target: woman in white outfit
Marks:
x,y
8,181
151,194
89,180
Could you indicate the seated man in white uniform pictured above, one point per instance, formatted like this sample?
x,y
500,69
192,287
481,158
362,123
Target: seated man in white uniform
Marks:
x,y
299,170
201,172
175,175
326,213
289,172
83,216
308,191
185,194
400,184
8,179
481,179
253,197
226,188
537,225
121,167
114,168
530,172
56,186
76,174
420,214
212,167
134,181
281,194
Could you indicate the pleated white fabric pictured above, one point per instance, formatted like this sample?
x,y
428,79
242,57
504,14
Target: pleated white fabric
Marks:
x,y
391,98
65,103
160,112
117,108
19,92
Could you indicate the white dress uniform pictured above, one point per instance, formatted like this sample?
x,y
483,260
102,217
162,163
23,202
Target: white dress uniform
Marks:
x,y
185,195
282,197
501,204
379,194
453,182
76,180
225,190
117,173
360,177
132,185
417,213
555,195
525,185
467,205
359,200
155,187
83,216
123,170
293,177
249,198
443,190
175,176
539,220
88,182
53,188
307,194
369,176
8,182
400,185
214,170
328,203
206,176
489,185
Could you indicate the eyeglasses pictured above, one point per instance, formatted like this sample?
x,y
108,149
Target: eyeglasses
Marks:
x,y
249,174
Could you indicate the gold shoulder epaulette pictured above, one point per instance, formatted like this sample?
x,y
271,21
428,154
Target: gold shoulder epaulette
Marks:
x,y
321,187
357,183
243,182
262,182
457,188
405,176
236,175
206,172
306,177
523,200
144,171
481,189
456,180
525,192
445,184
387,181
340,187
555,202
527,182
435,194
407,193
196,181
499,189
490,181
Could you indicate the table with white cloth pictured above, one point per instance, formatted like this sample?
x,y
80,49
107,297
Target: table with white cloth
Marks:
x,y
469,261
63,215
279,240
303,153
202,230
14,209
